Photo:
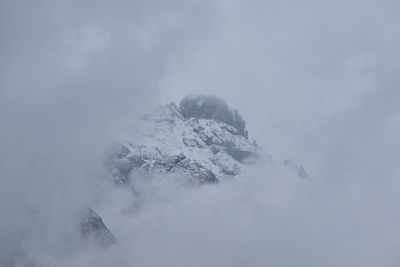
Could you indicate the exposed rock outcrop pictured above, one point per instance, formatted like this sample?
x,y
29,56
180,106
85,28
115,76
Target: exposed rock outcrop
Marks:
x,y
92,227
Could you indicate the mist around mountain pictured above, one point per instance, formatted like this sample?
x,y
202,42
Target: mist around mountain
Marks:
x,y
186,152
94,173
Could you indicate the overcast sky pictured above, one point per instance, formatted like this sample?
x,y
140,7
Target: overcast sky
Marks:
x,y
316,81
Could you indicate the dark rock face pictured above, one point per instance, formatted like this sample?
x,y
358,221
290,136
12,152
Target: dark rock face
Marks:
x,y
92,226
212,108
176,164
198,172
181,165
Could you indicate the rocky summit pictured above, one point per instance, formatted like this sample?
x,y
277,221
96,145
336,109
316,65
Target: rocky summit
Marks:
x,y
92,227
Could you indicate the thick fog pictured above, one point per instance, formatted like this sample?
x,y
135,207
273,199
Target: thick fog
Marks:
x,y
316,81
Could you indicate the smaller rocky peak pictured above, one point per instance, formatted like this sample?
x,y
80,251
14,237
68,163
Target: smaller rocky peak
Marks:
x,y
92,227
212,108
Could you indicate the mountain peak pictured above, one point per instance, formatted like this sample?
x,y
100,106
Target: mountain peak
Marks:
x,y
201,138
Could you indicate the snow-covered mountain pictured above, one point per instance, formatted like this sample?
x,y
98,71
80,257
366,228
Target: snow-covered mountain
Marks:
x,y
201,139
